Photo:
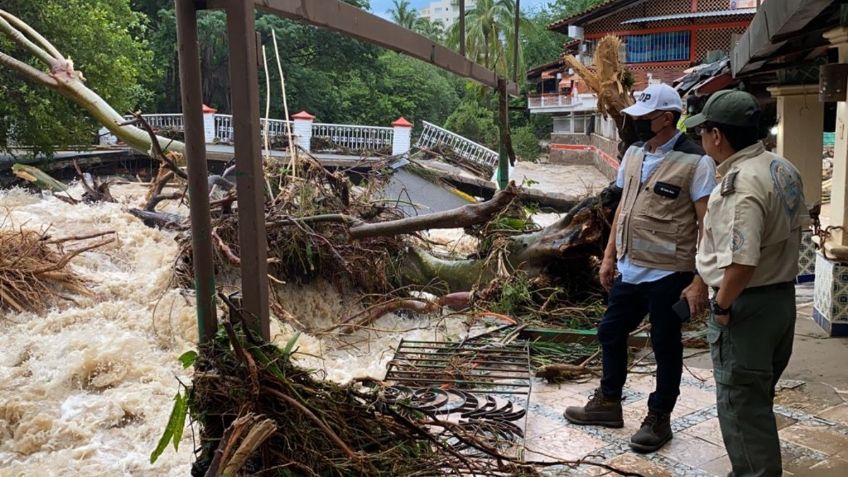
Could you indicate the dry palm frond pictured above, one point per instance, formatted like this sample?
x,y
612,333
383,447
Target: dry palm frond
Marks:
x,y
33,268
608,80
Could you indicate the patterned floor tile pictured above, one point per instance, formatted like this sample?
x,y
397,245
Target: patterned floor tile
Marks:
x,y
819,439
717,467
639,465
562,444
708,430
697,449
836,414
691,450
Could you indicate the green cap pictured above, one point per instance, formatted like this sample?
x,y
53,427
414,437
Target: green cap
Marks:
x,y
730,107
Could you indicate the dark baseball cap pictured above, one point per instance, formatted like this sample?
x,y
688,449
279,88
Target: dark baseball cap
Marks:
x,y
730,107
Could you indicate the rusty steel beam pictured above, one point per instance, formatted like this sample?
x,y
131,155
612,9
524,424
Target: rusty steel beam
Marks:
x,y
357,23
195,151
244,91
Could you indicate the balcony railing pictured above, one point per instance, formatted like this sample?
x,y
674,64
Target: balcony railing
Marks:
x,y
552,101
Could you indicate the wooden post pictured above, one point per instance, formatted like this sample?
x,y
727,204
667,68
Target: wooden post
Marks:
x,y
244,90
503,129
195,151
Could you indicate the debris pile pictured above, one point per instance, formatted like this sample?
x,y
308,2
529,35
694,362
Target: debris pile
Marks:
x,y
34,267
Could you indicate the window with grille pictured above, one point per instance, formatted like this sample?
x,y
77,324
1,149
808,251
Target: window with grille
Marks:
x,y
658,47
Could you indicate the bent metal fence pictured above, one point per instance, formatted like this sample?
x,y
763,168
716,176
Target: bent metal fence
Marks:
x,y
433,136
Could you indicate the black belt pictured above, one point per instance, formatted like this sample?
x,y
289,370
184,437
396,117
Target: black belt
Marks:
x,y
773,286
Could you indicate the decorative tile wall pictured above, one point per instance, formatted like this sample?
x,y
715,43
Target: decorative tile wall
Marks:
x,y
830,303
807,258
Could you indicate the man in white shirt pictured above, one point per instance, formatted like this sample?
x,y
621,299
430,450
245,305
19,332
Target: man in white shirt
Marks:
x,y
666,180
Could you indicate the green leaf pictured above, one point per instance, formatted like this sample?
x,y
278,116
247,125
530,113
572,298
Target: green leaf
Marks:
x,y
181,409
288,349
188,358
174,428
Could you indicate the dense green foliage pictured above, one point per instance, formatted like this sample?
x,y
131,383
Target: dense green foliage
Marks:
x,y
127,50
474,122
106,41
526,143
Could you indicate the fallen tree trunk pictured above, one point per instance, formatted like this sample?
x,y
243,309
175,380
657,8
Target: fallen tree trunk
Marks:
x,y
464,216
38,177
562,248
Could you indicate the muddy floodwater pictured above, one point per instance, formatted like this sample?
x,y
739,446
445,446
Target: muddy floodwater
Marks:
x,y
87,387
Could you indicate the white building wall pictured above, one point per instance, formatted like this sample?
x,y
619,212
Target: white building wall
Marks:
x,y
445,11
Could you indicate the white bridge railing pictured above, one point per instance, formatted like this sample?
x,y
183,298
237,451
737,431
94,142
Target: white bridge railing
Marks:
x,y
348,136
224,128
433,136
162,121
357,138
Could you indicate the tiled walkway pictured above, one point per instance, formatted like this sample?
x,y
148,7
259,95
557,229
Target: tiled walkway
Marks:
x,y
814,443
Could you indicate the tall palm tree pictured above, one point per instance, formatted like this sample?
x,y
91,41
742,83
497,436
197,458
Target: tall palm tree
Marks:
x,y
403,14
489,30
434,30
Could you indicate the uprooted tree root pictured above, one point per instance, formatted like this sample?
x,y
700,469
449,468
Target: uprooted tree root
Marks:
x,y
34,267
259,413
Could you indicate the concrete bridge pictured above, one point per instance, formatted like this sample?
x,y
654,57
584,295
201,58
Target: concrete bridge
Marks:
x,y
351,139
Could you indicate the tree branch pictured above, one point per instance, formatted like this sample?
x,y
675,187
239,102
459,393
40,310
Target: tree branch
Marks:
x,y
15,35
455,218
28,71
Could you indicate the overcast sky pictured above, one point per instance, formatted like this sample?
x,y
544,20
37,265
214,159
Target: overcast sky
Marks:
x,y
382,7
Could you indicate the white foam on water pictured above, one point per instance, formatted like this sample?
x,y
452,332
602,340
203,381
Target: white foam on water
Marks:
x,y
87,387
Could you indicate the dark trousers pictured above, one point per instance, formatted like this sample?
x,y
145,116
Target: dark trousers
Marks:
x,y
626,307
749,355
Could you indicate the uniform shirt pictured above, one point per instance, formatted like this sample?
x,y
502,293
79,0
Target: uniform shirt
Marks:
x,y
702,184
754,218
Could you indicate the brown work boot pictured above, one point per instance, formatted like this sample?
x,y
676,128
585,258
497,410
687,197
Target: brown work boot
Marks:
x,y
599,411
655,432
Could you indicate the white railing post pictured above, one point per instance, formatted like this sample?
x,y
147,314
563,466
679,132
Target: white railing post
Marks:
x,y
303,129
106,138
209,124
402,137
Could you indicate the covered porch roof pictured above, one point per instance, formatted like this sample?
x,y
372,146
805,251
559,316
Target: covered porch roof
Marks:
x,y
600,10
693,16
785,33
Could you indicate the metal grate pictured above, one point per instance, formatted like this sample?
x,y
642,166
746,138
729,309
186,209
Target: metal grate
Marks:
x,y
474,367
482,387
658,47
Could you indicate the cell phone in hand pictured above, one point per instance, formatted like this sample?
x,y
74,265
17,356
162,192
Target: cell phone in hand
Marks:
x,y
681,308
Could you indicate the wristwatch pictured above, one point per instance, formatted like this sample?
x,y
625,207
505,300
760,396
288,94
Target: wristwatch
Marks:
x,y
717,309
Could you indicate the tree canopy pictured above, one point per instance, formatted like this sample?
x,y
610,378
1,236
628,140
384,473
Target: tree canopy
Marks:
x,y
128,51
105,39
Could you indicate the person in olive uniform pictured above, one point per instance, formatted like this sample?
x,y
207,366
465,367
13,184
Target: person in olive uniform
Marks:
x,y
666,179
749,256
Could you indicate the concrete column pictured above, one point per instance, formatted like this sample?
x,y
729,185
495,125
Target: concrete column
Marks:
x,y
800,132
402,138
209,124
303,130
837,245
830,303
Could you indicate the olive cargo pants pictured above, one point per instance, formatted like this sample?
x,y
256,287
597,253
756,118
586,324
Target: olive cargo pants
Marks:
x,y
749,355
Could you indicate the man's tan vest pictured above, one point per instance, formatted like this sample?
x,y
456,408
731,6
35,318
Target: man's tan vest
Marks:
x,y
658,226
